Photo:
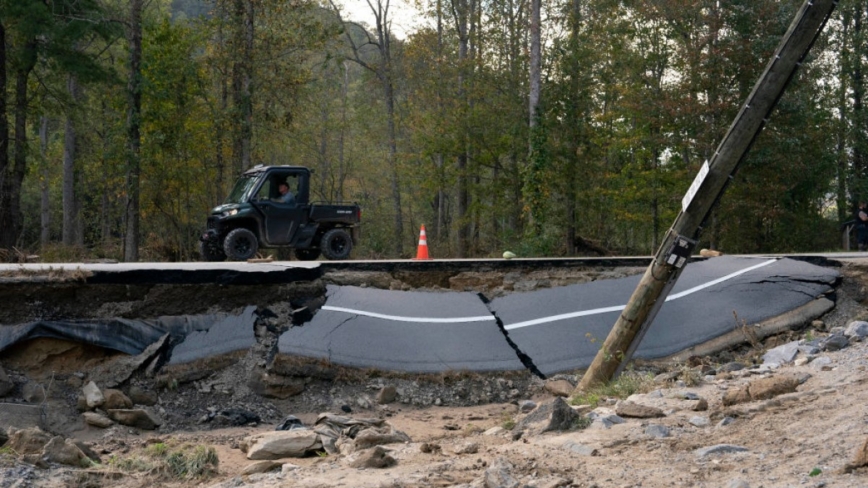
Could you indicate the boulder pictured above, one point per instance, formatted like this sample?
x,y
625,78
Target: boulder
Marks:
x,y
859,460
765,388
97,420
282,444
115,399
857,330
555,415
140,419
141,396
92,395
61,451
637,411
261,467
375,457
387,394
498,475
561,388
28,441
274,385
379,436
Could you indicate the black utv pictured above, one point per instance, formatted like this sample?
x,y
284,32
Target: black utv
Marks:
x,y
269,207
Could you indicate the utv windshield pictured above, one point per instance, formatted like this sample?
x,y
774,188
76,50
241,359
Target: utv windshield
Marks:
x,y
242,189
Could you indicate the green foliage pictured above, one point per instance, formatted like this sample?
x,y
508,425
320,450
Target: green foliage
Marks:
x,y
636,96
623,386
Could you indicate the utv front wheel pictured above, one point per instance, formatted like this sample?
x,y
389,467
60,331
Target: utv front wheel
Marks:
x,y
240,245
336,244
210,251
307,254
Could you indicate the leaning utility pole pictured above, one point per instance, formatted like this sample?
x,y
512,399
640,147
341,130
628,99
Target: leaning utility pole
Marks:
x,y
704,193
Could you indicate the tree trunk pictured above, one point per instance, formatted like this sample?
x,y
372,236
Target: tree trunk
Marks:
x,y
19,168
242,83
134,109
70,207
463,203
45,201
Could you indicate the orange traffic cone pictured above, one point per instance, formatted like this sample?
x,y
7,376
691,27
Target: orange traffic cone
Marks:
x,y
422,252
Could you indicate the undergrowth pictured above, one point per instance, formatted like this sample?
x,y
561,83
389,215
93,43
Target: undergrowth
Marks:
x,y
626,384
179,462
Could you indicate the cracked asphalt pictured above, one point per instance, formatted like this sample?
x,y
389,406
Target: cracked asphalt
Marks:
x,y
550,330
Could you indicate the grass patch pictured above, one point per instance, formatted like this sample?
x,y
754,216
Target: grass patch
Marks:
x,y
166,461
626,384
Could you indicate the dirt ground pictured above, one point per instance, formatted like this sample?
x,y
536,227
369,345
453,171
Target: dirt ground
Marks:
x,y
802,438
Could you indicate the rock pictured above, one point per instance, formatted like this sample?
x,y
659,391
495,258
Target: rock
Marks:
x,y
667,377
784,354
699,421
738,484
580,449
822,363
466,448
274,385
701,405
561,388
657,431
835,342
765,388
81,404
497,430
33,392
61,451
92,395
859,460
28,441
140,419
375,457
719,449
605,421
387,394
710,253
115,399
634,410
857,329
725,421
114,373
282,444
288,468
261,467
74,381
730,367
3,437
97,420
86,449
141,396
526,406
555,415
378,436
6,385
498,475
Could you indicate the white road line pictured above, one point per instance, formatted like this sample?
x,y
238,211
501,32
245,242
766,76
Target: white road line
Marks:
x,y
542,320
618,308
399,318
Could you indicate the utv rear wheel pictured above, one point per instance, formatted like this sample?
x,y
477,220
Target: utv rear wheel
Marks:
x,y
240,245
210,251
307,254
336,244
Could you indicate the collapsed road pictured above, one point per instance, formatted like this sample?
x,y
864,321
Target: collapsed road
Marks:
x,y
430,318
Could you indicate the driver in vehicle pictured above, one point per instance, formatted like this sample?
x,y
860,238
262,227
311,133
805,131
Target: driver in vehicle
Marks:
x,y
286,196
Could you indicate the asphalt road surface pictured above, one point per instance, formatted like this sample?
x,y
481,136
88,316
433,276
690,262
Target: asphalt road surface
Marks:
x,y
553,330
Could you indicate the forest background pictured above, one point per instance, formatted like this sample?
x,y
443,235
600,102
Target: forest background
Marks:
x,y
545,127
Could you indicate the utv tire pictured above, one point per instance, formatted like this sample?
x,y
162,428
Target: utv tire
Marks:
x,y
336,244
211,252
307,254
240,245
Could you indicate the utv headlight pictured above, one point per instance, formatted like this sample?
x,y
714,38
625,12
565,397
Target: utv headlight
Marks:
x,y
230,213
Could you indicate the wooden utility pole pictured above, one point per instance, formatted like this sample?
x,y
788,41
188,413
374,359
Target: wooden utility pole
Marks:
x,y
704,193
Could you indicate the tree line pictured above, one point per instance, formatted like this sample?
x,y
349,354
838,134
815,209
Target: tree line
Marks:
x,y
544,127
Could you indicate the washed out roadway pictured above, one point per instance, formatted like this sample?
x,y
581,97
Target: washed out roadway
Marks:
x,y
549,330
